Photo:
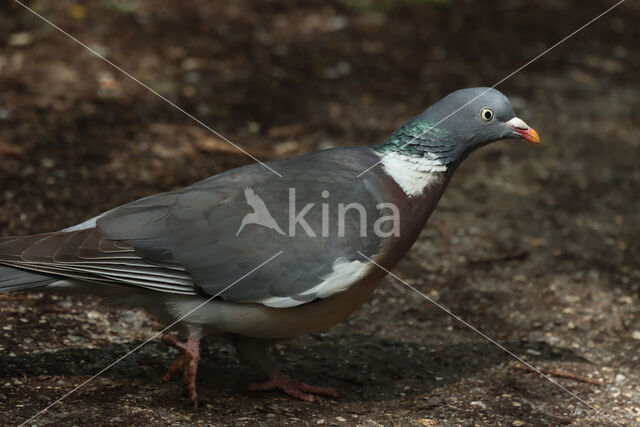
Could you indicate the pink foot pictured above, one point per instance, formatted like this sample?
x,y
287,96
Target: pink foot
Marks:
x,y
187,360
293,388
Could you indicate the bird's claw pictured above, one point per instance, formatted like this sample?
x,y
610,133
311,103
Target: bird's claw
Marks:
x,y
293,388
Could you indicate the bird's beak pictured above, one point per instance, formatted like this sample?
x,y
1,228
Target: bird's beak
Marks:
x,y
523,130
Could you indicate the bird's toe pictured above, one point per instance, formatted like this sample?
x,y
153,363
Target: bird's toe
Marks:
x,y
297,389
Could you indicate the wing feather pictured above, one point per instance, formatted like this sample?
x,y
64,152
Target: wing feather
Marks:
x,y
85,255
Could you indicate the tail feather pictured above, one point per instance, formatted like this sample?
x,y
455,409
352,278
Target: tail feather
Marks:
x,y
84,256
14,279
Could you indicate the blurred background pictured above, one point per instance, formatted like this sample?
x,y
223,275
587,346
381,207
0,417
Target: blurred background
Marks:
x,y
537,246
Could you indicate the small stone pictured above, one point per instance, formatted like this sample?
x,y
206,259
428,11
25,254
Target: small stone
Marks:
x,y
434,402
342,68
191,64
635,335
100,49
625,299
253,127
48,163
427,422
92,314
518,423
338,23
20,39
341,419
479,404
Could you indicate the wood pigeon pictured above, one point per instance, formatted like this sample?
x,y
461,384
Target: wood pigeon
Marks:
x,y
258,258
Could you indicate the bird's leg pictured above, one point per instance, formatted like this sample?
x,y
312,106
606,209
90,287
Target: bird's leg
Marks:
x,y
187,360
256,353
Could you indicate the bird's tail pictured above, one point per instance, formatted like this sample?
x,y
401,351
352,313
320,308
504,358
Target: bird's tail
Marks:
x,y
14,279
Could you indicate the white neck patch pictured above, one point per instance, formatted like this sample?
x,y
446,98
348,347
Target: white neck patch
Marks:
x,y
413,174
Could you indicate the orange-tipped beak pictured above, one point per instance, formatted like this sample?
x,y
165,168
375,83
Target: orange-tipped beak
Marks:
x,y
529,134
523,130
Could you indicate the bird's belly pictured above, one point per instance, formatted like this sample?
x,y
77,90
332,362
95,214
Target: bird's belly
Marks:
x,y
256,320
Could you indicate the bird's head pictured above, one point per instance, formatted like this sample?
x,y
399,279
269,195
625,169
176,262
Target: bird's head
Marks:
x,y
459,123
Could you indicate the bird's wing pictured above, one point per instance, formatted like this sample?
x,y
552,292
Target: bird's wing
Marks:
x,y
196,228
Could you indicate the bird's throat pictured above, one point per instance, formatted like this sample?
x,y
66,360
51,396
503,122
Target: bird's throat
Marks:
x,y
413,174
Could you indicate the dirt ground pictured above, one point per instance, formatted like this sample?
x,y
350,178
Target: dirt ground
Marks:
x,y
536,246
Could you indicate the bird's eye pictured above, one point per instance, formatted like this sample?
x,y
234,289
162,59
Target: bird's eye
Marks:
x,y
486,114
